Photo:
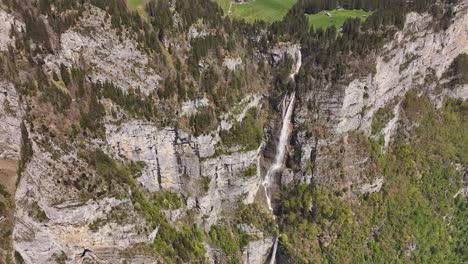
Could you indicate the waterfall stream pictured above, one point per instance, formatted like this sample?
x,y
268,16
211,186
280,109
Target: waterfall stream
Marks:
x,y
273,253
298,64
280,150
281,147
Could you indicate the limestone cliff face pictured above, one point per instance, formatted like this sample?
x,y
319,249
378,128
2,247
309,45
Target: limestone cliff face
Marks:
x,y
11,111
7,22
112,57
416,57
11,114
180,162
55,220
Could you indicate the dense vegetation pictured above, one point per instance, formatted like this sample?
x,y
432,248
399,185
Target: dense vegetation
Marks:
x,y
458,70
246,134
415,217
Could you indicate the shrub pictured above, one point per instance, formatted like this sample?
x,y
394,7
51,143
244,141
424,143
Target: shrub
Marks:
x,y
458,70
247,134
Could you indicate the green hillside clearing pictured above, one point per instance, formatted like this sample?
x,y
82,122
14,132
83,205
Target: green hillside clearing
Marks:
x,y
337,18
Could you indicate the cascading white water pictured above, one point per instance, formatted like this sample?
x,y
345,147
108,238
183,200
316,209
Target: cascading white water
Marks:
x,y
280,150
298,64
273,253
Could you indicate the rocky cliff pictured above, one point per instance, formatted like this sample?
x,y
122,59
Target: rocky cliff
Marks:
x,y
416,58
70,209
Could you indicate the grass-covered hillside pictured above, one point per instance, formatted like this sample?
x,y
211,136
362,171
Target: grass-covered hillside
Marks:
x,y
267,10
335,18
274,10
136,4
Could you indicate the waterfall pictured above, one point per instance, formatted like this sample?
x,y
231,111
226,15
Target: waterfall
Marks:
x,y
273,253
280,149
298,64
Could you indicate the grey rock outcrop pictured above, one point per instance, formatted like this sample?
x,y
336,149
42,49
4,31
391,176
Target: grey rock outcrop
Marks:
x,y
416,57
7,21
416,53
257,251
372,187
180,162
168,154
190,108
232,63
11,115
279,53
113,58
54,219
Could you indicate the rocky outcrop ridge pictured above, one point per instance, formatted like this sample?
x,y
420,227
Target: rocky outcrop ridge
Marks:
x,y
114,58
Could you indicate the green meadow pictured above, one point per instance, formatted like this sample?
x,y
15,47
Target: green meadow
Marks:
x,y
337,18
267,10
273,10
137,5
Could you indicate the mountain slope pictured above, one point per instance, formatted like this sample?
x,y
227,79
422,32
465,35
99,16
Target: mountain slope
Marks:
x,y
130,139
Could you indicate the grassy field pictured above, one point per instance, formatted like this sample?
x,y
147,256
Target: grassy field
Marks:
x,y
137,5
267,10
321,20
224,4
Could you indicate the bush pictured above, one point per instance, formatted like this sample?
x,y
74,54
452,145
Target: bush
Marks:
x,y
458,70
204,121
246,134
250,171
223,238
381,118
